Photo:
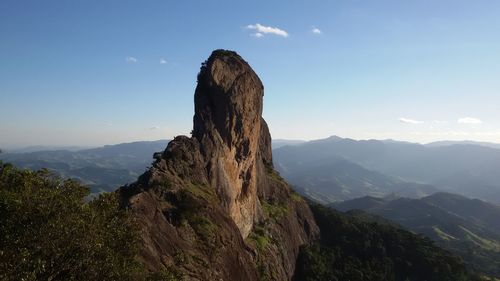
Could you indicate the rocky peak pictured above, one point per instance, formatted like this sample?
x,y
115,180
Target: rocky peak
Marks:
x,y
214,195
227,123
228,99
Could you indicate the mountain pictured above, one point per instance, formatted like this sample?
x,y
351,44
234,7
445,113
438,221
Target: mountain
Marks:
x,y
465,142
212,207
470,170
354,246
277,143
467,227
36,148
103,169
335,179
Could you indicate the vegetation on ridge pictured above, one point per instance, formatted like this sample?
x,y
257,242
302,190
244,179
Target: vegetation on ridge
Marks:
x,y
50,231
352,249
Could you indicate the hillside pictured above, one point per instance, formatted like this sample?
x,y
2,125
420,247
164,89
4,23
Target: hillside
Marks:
x,y
334,178
467,227
357,248
103,169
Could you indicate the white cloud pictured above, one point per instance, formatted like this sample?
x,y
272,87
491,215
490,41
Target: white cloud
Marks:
x,y
316,30
438,122
261,30
155,128
469,121
409,121
163,61
131,60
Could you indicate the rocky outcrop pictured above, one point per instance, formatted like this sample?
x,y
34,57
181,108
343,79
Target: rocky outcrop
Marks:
x,y
227,123
212,207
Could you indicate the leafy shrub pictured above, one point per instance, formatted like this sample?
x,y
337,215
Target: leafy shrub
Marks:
x,y
49,231
273,210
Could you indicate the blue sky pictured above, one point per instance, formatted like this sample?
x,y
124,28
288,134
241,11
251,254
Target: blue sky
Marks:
x,y
102,72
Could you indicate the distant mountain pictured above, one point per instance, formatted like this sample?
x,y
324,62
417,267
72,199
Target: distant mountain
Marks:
x,y
280,142
103,169
446,143
471,170
36,148
468,227
340,179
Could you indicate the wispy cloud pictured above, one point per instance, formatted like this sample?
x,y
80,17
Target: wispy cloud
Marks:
x,y
131,60
261,30
438,122
409,121
163,61
316,30
469,121
154,128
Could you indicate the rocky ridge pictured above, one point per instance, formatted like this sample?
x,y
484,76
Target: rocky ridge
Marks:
x,y
212,206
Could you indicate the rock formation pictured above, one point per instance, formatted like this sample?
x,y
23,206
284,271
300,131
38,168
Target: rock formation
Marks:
x,y
227,124
212,207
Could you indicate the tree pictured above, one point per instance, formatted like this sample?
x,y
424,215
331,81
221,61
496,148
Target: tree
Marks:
x,y
50,231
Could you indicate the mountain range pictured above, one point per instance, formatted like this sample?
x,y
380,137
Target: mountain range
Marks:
x,y
467,227
469,169
103,169
328,170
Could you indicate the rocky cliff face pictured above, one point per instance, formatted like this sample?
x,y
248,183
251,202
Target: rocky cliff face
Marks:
x,y
227,124
212,207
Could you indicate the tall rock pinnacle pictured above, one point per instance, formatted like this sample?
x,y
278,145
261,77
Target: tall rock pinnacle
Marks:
x,y
208,199
227,123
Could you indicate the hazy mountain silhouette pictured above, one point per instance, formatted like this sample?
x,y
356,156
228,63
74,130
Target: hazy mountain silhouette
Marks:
x,y
337,179
445,143
471,170
281,142
103,169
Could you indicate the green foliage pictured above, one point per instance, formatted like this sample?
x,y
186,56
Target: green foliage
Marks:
x,y
275,211
201,191
103,169
273,174
168,274
259,237
49,232
262,241
296,197
352,249
204,227
466,227
189,203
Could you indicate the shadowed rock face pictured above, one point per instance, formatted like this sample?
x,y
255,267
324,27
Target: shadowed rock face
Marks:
x,y
212,206
227,123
